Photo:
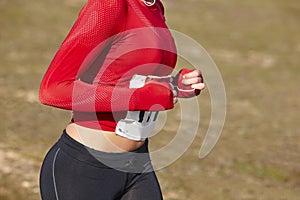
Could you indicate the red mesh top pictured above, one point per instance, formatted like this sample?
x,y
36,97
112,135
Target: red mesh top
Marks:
x,y
110,42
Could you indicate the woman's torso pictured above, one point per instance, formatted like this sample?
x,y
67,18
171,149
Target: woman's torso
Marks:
x,y
139,49
145,46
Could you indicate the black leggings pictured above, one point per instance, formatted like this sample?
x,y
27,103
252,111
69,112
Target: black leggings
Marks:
x,y
72,171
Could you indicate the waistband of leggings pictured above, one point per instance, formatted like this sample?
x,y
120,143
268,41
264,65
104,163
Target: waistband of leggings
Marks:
x,y
133,161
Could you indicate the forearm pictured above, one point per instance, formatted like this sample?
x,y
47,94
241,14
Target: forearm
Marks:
x,y
80,96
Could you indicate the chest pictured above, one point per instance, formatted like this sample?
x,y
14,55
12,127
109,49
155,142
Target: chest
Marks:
x,y
145,46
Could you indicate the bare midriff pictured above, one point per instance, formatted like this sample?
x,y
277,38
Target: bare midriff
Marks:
x,y
100,140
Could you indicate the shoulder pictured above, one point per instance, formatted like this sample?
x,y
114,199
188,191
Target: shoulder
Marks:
x,y
109,3
109,8
161,6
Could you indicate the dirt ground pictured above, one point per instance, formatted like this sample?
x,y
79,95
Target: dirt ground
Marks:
x,y
256,46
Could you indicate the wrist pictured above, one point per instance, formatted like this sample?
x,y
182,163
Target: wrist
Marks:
x,y
153,97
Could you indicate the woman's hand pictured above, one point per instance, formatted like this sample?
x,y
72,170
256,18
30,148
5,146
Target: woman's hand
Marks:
x,y
188,83
193,79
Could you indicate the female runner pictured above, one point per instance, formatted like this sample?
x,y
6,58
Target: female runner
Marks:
x,y
113,71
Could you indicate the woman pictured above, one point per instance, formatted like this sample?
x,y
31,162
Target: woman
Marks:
x,y
113,71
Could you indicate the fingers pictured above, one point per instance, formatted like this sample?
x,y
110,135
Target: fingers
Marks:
x,y
189,81
195,73
193,77
198,86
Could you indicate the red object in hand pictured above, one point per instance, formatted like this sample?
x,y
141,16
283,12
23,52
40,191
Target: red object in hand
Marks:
x,y
184,91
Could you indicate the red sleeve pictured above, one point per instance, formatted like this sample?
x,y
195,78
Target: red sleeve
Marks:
x,y
61,87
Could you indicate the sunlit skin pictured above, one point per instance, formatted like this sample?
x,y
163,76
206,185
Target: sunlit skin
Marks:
x,y
194,79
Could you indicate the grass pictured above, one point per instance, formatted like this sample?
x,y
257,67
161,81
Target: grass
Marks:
x,y
261,171
255,45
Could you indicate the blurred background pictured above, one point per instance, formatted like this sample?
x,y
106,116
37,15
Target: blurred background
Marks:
x,y
256,46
